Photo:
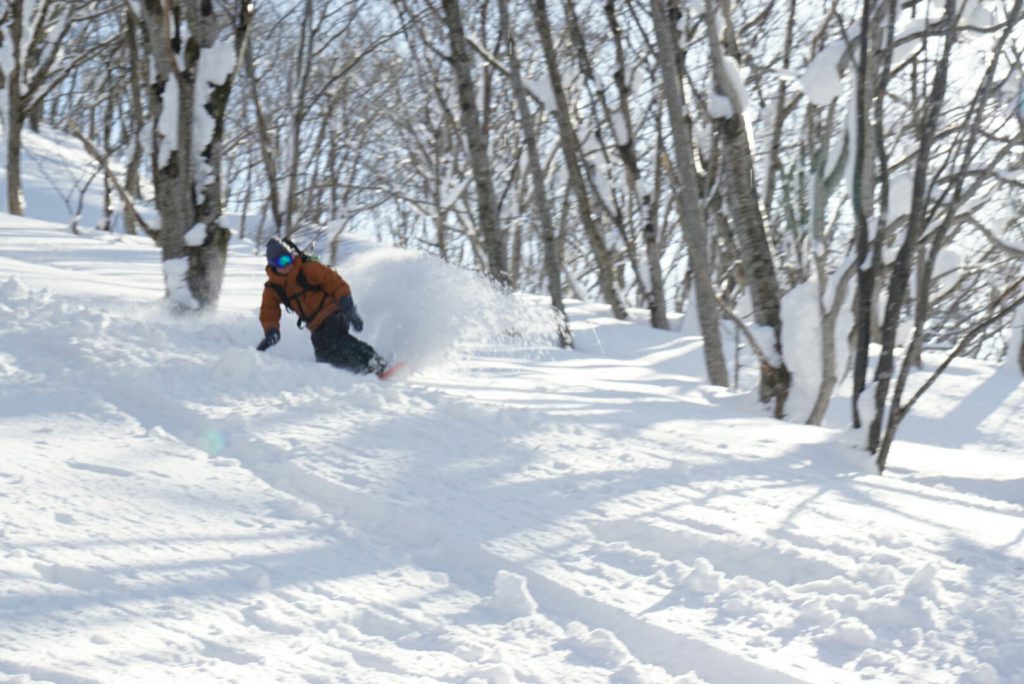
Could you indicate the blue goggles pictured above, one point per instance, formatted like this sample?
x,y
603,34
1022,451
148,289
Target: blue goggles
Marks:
x,y
282,261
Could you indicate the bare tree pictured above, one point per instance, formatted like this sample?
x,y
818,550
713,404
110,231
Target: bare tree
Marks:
x,y
570,144
552,252
31,65
476,140
687,197
937,208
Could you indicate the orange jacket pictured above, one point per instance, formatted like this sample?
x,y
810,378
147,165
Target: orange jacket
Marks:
x,y
313,303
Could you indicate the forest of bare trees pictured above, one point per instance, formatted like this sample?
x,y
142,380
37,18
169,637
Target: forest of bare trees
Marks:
x,y
826,190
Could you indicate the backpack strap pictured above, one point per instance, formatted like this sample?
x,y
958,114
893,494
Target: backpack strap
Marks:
x,y
306,286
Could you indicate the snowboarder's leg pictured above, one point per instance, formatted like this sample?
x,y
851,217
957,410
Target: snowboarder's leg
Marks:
x,y
357,356
334,345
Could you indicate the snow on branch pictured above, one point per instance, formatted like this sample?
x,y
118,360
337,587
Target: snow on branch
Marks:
x,y
821,80
734,100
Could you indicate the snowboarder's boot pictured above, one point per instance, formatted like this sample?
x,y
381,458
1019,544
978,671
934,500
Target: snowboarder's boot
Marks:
x,y
377,365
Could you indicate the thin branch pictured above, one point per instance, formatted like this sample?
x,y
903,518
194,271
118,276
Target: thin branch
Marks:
x,y
125,197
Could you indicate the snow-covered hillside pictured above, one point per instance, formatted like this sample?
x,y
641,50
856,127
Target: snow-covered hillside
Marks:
x,y
179,507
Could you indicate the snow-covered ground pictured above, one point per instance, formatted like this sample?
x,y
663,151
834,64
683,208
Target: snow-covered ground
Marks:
x,y
176,506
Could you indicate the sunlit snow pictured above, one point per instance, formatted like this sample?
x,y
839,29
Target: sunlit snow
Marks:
x,y
180,507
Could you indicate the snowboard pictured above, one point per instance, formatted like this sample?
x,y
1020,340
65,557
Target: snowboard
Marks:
x,y
393,371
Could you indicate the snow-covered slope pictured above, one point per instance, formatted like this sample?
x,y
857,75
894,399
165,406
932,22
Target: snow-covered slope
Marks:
x,y
179,507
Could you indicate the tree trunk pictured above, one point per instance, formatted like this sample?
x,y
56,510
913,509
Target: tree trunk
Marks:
x,y
863,200
476,138
829,320
106,220
552,251
303,68
690,212
570,148
779,116
1019,351
687,197
737,169
132,179
756,254
12,131
266,145
13,124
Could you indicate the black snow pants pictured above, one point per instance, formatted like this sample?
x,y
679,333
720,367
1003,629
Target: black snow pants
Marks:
x,y
333,344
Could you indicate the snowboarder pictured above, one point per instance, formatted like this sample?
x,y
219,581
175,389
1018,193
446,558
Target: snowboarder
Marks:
x,y
323,302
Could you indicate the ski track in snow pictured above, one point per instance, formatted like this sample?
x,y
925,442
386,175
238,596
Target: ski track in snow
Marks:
x,y
179,507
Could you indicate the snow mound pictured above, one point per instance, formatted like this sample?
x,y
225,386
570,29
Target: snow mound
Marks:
x,y
849,632
14,290
704,579
599,646
511,596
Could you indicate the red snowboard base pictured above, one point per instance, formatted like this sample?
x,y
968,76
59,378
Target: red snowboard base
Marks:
x,y
391,371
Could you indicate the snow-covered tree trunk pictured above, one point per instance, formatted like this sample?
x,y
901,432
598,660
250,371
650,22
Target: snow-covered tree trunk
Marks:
x,y
835,300
193,50
834,305
687,197
737,171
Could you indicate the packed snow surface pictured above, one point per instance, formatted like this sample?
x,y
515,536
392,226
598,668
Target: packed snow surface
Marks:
x,y
179,507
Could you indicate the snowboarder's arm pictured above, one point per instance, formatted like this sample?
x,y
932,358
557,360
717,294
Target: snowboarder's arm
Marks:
x,y
270,310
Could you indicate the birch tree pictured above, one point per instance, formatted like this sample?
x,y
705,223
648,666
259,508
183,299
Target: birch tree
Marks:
x,y
728,105
193,49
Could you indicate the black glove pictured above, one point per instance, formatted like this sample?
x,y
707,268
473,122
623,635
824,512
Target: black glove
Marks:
x,y
348,311
272,338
